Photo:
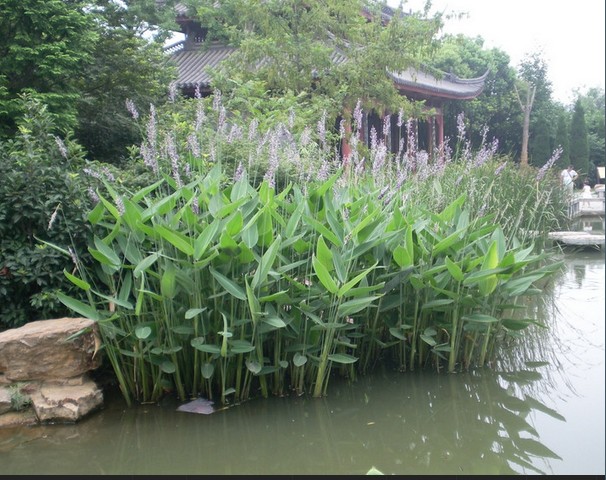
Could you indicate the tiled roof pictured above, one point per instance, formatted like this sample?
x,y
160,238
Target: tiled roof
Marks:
x,y
192,64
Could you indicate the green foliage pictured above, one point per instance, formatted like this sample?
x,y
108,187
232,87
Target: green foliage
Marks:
x,y
292,47
82,59
41,198
595,111
19,400
496,107
563,139
208,283
579,145
125,66
42,44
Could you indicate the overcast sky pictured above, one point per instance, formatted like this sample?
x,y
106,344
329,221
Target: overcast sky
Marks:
x,y
570,35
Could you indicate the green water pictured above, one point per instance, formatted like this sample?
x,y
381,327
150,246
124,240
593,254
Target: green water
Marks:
x,y
540,410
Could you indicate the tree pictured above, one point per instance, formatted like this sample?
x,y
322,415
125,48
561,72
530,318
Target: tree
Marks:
x,y
83,59
496,107
128,64
325,53
563,139
579,146
526,107
43,44
593,104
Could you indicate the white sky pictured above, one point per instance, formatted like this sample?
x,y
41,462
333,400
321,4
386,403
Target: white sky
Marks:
x,y
570,35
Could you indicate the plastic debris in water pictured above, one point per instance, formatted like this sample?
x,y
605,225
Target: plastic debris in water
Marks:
x,y
199,405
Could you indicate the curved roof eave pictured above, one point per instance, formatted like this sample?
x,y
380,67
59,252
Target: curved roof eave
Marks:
x,y
449,87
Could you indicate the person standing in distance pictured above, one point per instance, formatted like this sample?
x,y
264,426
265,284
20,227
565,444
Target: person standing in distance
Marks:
x,y
568,177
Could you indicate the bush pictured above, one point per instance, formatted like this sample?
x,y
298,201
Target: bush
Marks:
x,y
42,197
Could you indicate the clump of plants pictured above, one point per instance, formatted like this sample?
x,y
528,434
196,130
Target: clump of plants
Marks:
x,y
207,282
19,400
42,197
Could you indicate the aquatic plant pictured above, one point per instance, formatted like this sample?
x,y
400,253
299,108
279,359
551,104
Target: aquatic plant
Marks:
x,y
216,281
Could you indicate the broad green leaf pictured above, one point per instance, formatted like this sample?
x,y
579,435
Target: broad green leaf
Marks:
x,y
398,332
207,371
293,221
353,306
280,297
96,213
479,318
253,366
168,282
229,285
161,207
299,360
176,239
240,188
402,257
448,213
230,207
342,358
266,263
241,346
274,321
516,324
226,334
108,256
234,225
141,194
354,281
168,367
122,303
324,275
250,236
322,230
454,269
109,206
253,303
216,204
77,281
491,261
192,312
81,308
140,297
448,242
518,286
437,304
203,240
198,344
324,254
143,332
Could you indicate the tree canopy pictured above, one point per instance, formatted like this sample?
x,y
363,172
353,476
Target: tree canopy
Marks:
x,y
328,53
83,59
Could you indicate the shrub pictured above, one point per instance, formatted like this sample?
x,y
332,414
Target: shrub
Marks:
x,y
42,197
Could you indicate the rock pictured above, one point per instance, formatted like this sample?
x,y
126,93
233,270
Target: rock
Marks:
x,y
5,400
66,403
42,350
22,418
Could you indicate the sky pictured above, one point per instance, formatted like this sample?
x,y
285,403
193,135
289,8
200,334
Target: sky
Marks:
x,y
570,35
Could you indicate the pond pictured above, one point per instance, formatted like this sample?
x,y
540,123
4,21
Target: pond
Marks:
x,y
540,410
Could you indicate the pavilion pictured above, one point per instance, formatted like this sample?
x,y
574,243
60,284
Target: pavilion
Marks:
x,y
192,59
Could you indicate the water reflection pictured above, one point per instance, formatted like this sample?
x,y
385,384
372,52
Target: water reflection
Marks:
x,y
540,410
